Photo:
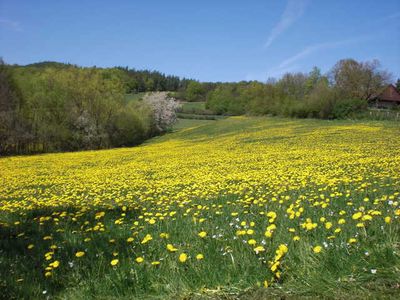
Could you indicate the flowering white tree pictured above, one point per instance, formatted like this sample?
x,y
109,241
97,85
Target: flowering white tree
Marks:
x,y
164,109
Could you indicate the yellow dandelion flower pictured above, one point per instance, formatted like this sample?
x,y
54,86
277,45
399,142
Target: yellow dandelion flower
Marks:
x,y
357,215
275,266
283,248
309,226
164,235
199,256
171,248
146,239
317,249
259,249
252,242
265,283
366,218
202,234
114,262
268,234
183,257
55,264
250,231
139,259
79,254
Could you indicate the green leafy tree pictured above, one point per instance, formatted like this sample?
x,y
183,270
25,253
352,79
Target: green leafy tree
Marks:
x,y
359,80
10,101
195,92
313,78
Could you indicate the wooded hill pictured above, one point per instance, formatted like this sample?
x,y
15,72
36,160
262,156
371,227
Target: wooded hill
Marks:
x,y
52,106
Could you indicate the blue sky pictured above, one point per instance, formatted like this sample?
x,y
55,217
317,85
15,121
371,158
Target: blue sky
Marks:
x,y
206,40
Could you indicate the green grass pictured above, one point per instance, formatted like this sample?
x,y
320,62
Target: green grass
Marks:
x,y
199,117
134,97
190,123
208,170
197,110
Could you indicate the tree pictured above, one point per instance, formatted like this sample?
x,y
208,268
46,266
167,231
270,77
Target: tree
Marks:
x,y
398,85
10,102
359,80
195,92
293,85
219,100
74,108
130,125
321,101
163,108
313,78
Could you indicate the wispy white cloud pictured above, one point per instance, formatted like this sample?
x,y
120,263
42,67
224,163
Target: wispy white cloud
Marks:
x,y
13,25
294,9
290,62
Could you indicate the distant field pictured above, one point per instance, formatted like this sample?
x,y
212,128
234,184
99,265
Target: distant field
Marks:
x,y
239,208
190,123
134,97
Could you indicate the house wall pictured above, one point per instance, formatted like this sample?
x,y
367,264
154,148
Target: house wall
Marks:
x,y
386,104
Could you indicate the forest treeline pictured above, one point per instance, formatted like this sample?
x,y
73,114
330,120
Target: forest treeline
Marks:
x,y
50,106
346,89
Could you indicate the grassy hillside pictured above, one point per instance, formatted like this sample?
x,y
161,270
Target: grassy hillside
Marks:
x,y
237,208
190,123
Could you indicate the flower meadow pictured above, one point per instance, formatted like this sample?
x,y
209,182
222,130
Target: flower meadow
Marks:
x,y
236,208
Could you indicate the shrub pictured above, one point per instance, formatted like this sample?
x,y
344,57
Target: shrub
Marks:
x,y
320,102
344,108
